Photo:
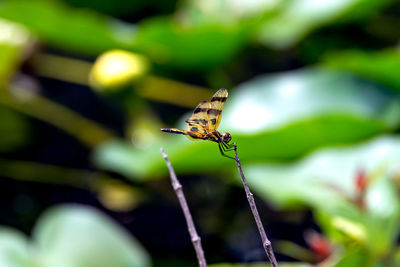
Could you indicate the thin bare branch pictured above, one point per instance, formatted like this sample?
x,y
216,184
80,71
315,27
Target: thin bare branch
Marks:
x,y
266,243
182,200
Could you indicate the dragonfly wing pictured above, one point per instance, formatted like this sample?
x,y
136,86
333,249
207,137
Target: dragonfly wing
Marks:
x,y
199,120
214,112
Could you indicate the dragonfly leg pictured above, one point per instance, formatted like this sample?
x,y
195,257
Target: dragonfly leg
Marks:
x,y
221,149
228,147
231,145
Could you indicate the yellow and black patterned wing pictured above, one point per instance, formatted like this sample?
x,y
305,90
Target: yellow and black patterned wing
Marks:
x,y
214,112
199,120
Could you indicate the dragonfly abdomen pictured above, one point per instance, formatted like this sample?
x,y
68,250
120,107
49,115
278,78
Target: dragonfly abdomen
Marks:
x,y
173,130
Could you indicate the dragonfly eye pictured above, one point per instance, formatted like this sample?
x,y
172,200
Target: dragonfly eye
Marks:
x,y
226,137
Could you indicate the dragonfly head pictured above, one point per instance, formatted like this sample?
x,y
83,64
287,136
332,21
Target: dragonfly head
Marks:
x,y
226,137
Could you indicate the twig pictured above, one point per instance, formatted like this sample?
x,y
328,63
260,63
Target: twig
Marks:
x,y
266,243
182,200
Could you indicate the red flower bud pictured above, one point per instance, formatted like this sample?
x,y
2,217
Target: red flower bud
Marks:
x,y
318,244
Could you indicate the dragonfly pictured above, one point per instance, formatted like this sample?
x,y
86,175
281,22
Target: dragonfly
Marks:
x,y
204,122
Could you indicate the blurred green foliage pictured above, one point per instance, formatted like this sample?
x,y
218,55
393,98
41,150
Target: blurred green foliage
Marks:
x,y
320,136
296,18
259,265
65,28
14,130
161,39
72,236
380,66
326,181
264,114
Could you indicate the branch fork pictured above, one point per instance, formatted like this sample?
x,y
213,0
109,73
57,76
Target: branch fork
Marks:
x,y
192,230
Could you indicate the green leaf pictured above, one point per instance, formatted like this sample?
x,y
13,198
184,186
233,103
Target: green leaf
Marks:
x,y
380,66
14,250
271,118
278,23
324,178
296,18
82,237
383,216
122,157
166,42
325,181
72,236
273,101
199,47
72,30
194,12
355,257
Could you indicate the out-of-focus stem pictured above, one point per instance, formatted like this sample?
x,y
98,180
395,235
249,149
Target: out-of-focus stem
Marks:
x,y
151,87
113,193
61,68
45,173
85,130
